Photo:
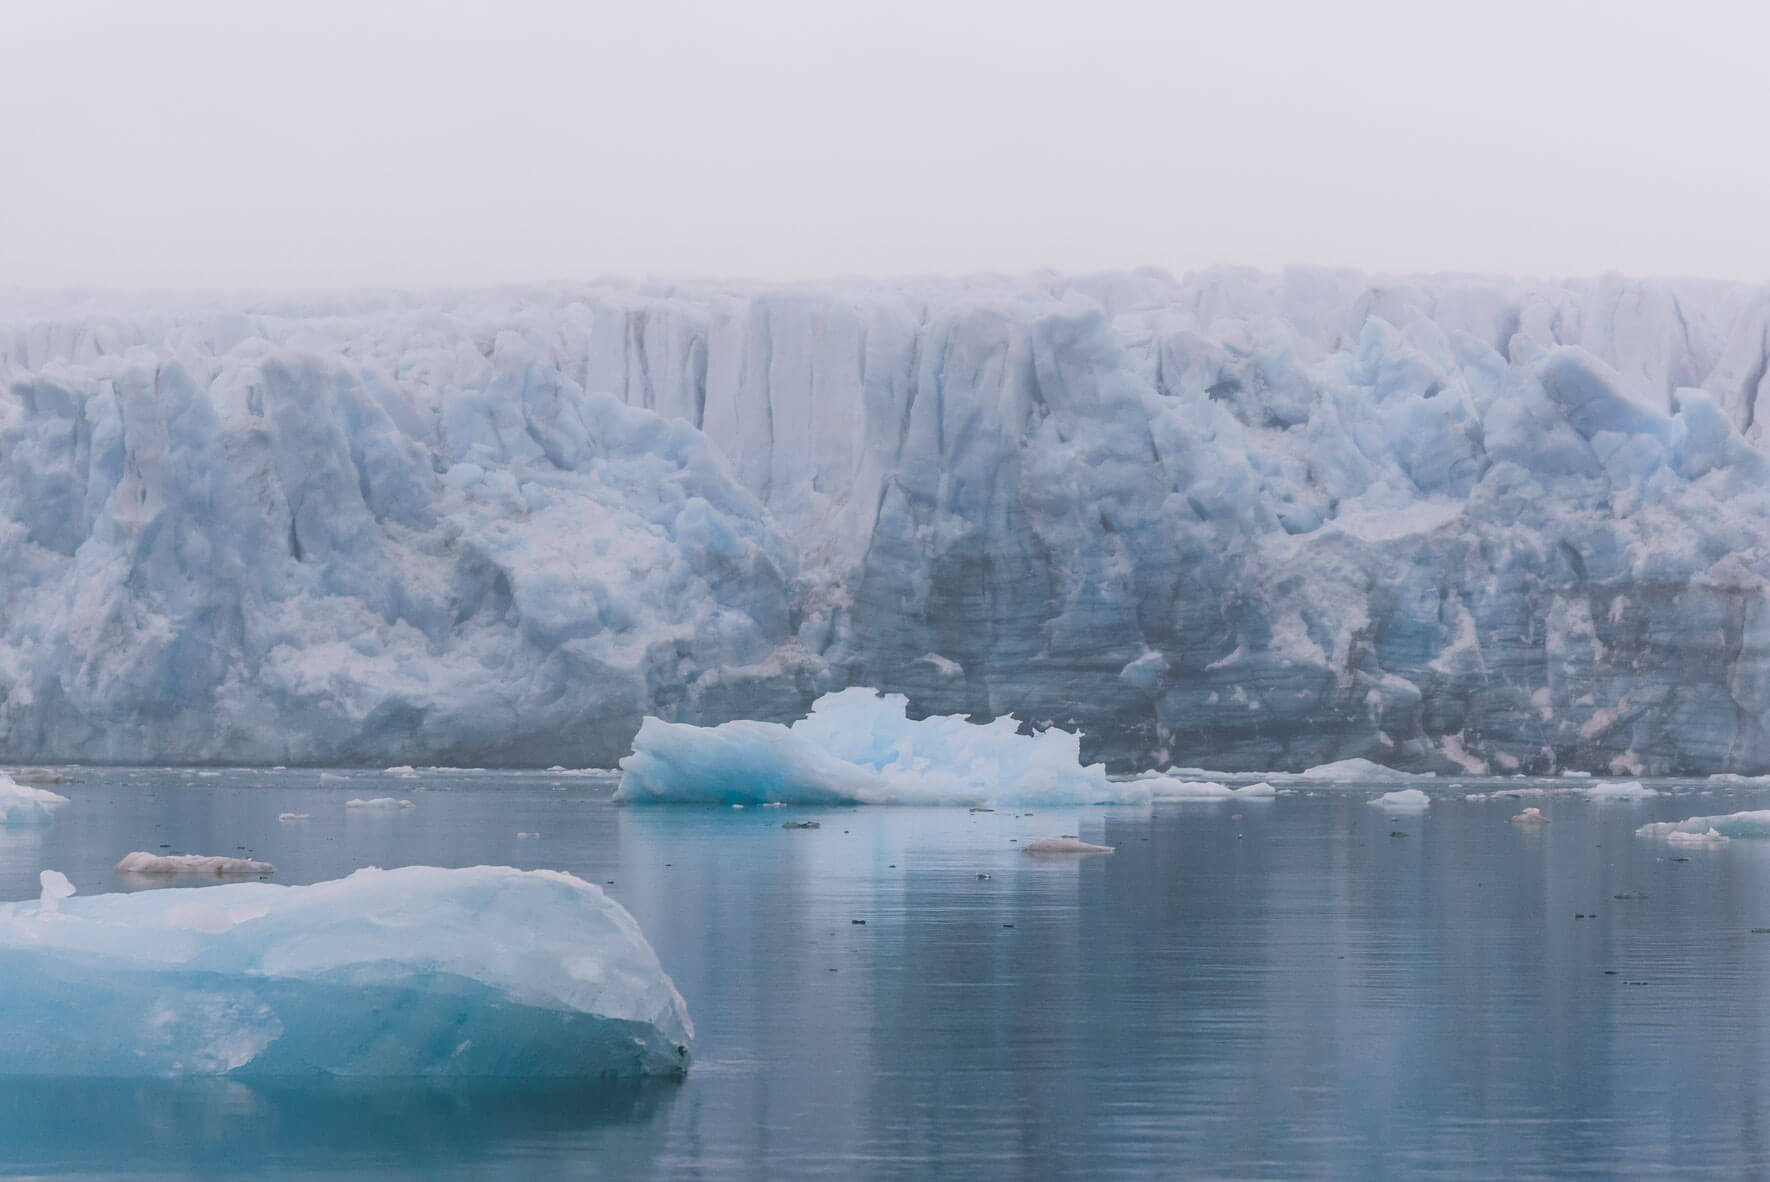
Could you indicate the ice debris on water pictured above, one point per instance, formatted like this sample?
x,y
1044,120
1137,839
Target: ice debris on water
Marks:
x,y
1752,823
21,804
1172,789
1530,816
1063,845
1709,837
1404,800
291,817
379,804
495,972
1625,790
196,865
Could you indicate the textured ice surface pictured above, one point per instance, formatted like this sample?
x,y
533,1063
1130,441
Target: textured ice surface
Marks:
x,y
1354,771
1531,816
1706,839
1404,800
379,804
857,747
1239,519
21,804
419,971
1755,823
203,865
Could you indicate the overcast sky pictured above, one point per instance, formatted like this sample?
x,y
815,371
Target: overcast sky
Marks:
x,y
327,143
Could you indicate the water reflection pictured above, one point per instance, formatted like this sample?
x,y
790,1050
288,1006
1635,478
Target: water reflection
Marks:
x,y
1306,987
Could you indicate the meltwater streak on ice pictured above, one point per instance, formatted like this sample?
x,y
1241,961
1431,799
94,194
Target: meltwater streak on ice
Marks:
x,y
415,972
1255,521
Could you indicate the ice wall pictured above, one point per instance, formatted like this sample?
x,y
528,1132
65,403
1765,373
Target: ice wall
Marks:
x,y
1240,519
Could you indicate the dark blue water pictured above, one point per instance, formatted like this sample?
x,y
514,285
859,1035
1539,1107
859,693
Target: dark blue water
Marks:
x,y
1278,989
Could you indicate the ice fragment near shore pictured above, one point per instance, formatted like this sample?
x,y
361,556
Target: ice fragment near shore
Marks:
x,y
1753,823
1405,800
489,972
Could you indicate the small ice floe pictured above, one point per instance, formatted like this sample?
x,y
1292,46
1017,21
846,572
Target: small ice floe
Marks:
x,y
21,804
1530,817
1405,800
39,776
1710,837
379,804
287,818
404,771
157,865
333,778
1165,789
801,825
208,775
1618,790
56,886
528,836
1358,771
1753,823
1063,845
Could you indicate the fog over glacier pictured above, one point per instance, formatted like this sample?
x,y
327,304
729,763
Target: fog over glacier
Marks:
x,y
1240,520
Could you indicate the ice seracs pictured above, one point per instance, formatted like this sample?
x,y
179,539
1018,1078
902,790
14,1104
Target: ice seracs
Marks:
x,y
858,747
1250,520
494,972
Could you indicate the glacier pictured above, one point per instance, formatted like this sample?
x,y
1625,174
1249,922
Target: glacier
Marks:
x,y
489,972
1239,520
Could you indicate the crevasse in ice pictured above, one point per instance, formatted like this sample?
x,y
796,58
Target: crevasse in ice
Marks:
x,y
1237,520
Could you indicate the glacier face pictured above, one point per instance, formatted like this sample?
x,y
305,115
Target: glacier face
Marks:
x,y
1237,520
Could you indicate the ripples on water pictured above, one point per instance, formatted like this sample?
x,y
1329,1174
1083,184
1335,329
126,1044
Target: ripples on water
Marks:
x,y
1282,988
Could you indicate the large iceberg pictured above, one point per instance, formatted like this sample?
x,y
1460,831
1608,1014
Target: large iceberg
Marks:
x,y
1243,520
857,747
414,972
1752,823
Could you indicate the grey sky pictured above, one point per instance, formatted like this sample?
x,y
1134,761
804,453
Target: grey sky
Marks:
x,y
216,143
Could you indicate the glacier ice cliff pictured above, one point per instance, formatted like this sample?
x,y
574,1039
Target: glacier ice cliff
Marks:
x,y
490,972
1237,520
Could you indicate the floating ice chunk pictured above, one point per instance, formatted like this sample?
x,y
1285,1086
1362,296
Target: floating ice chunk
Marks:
x,y
1063,845
208,866
1618,790
494,972
379,803
857,747
21,804
1753,823
288,817
1711,837
1359,771
1576,775
1173,789
1736,778
39,776
1404,800
1531,816
333,778
404,771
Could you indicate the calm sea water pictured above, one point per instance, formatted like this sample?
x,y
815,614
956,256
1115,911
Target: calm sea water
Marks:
x,y
1305,987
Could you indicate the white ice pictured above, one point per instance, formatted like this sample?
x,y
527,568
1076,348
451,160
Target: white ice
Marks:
x,y
413,972
1168,788
385,804
21,804
1531,816
1251,520
857,747
1752,823
203,865
1707,838
1404,800
1619,791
